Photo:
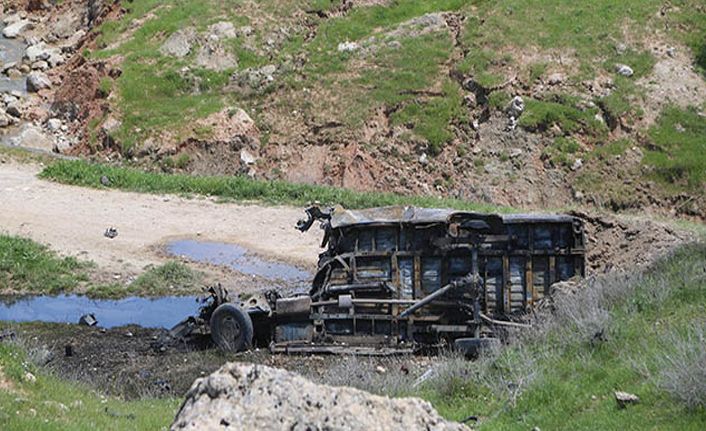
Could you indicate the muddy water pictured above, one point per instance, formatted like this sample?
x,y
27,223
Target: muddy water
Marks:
x,y
237,258
162,312
11,50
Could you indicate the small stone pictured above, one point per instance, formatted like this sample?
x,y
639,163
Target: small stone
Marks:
x,y
516,107
624,70
624,399
14,110
380,369
37,81
556,78
515,152
671,52
348,46
578,195
40,65
424,159
129,334
678,127
54,124
247,158
621,48
14,73
14,29
577,164
29,377
105,181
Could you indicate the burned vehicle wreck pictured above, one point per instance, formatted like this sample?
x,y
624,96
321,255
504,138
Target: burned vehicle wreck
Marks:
x,y
399,279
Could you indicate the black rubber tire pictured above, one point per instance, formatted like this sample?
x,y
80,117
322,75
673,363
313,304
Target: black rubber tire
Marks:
x,y
231,328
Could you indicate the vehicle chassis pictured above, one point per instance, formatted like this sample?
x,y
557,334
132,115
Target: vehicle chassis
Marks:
x,y
398,279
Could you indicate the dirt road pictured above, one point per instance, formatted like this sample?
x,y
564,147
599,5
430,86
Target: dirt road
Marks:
x,y
72,220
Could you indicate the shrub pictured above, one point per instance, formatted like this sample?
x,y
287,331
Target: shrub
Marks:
x,y
683,366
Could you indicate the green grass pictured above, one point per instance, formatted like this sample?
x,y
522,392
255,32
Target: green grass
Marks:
x,y
562,152
678,150
575,380
30,268
431,118
560,110
50,403
83,173
171,278
26,266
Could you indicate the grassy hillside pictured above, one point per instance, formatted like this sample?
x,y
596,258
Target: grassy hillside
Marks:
x,y
404,81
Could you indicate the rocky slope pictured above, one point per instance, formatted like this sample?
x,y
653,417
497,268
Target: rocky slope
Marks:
x,y
532,105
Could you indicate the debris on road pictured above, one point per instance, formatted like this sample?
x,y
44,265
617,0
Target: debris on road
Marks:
x,y
111,233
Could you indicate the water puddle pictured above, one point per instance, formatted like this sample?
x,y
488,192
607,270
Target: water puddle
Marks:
x,y
11,51
162,312
237,258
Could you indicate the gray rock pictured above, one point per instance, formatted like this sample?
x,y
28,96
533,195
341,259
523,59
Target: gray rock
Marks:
x,y
348,46
248,396
212,55
40,65
245,31
516,107
14,74
624,70
515,152
8,99
5,119
254,78
32,136
223,30
42,51
14,109
424,159
577,164
246,157
54,124
624,399
179,43
13,30
556,78
7,66
37,81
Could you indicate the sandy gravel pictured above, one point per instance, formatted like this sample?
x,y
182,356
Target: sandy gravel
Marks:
x,y
71,220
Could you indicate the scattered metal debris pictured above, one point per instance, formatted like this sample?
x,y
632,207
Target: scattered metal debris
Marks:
x,y
88,320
